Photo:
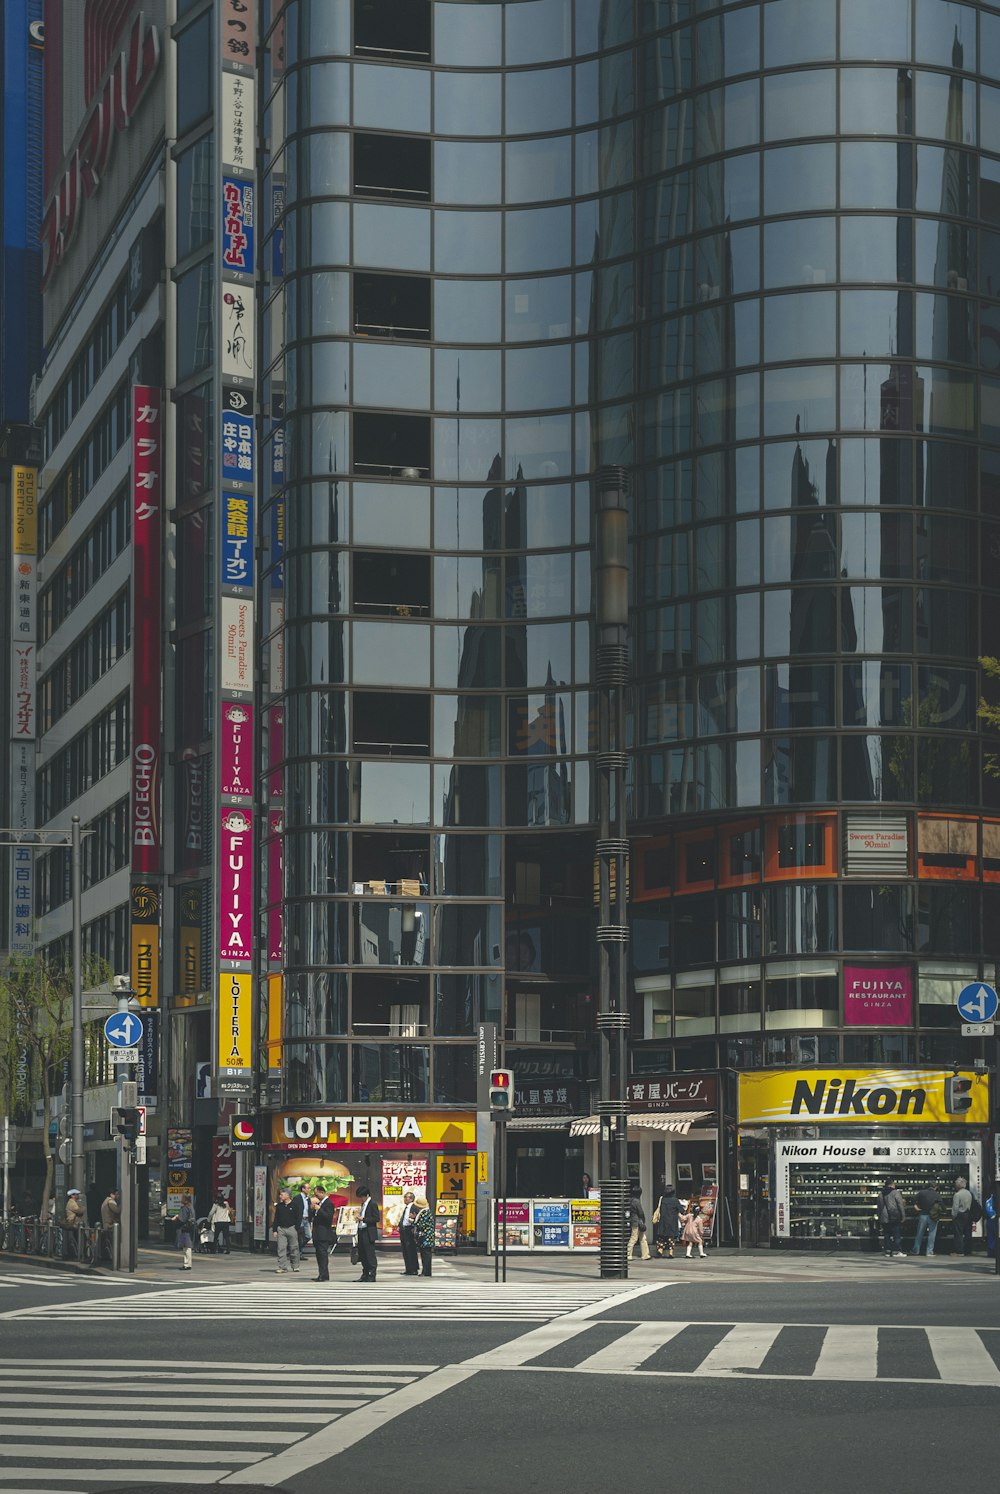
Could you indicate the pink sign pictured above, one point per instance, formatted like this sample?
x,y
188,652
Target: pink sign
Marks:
x,y
237,750
147,556
235,886
879,996
276,751
275,849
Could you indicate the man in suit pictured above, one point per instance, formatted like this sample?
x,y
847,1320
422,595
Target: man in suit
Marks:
x,y
408,1235
323,1232
368,1222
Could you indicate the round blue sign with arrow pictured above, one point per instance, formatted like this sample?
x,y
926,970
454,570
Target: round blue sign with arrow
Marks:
x,y
123,1030
978,1002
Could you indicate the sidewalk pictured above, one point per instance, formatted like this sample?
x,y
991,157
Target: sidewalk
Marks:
x,y
159,1262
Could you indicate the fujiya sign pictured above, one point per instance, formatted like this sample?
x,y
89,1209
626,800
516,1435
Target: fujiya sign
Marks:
x,y
125,86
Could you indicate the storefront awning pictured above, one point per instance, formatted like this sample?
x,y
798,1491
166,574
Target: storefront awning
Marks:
x,y
539,1123
678,1121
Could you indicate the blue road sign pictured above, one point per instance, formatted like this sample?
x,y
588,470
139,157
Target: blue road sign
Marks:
x,y
123,1030
978,1002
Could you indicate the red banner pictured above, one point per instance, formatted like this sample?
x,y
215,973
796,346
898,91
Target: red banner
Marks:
x,y
147,546
223,1170
236,750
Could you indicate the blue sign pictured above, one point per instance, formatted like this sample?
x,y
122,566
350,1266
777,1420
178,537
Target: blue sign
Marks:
x,y
237,447
123,1030
551,1213
237,225
237,540
978,1003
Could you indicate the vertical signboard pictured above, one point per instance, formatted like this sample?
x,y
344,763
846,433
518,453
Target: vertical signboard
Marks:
x,y
24,551
235,833
145,821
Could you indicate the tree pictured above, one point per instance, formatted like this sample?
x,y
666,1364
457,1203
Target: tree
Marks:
x,y
989,712
36,1018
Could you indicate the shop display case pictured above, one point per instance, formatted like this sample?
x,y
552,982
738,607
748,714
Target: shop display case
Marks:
x,y
837,1203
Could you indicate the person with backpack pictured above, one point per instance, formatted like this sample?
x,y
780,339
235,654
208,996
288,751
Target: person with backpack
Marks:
x,y
928,1204
891,1213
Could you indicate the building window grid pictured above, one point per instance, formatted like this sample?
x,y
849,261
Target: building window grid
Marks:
x,y
87,562
105,642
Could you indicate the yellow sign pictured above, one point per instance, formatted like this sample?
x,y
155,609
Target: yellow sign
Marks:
x,y
146,963
235,1019
189,946
905,1096
456,1180
275,1011
392,1128
482,1167
25,485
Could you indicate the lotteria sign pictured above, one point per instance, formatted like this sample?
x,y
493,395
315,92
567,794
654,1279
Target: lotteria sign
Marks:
x,y
302,1131
809,1097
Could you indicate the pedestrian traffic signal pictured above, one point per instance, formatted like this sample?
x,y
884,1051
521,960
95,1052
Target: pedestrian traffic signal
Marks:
x,y
127,1122
501,1089
957,1095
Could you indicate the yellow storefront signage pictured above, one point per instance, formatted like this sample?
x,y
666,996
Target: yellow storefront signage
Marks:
x,y
24,481
388,1127
456,1179
809,1097
146,963
235,1038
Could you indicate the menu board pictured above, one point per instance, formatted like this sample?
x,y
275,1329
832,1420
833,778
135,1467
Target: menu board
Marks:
x,y
446,1224
709,1199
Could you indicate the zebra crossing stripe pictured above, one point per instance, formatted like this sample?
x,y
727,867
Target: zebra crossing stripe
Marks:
x,y
628,1352
848,1353
744,1347
962,1359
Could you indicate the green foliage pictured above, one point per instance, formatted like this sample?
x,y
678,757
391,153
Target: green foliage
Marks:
x,y
989,713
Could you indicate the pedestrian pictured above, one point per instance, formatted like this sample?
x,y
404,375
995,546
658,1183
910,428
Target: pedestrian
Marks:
x,y
424,1228
636,1216
368,1223
891,1212
586,1185
928,1204
283,1224
111,1213
323,1232
185,1233
76,1219
408,1236
220,1219
693,1231
666,1221
961,1216
300,1219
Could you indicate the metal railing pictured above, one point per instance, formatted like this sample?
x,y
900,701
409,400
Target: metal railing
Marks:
x,y
90,1245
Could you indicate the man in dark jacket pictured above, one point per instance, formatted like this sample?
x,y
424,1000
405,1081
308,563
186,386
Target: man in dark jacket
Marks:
x,y
636,1217
667,1226
928,1204
368,1222
891,1211
324,1233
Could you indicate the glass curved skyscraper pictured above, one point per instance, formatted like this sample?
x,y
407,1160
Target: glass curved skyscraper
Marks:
x,y
750,253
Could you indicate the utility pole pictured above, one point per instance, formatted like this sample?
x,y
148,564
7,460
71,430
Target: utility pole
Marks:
x,y
77,1062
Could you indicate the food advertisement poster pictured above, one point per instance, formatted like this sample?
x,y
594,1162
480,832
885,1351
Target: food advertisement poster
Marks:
x,y
399,1178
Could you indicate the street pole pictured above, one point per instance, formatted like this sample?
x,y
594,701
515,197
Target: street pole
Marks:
x,y
77,1064
6,1168
611,673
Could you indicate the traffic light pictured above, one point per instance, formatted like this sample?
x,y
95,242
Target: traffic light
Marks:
x,y
957,1095
501,1089
127,1122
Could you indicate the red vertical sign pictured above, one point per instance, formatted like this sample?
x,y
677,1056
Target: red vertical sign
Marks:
x,y
147,546
223,1169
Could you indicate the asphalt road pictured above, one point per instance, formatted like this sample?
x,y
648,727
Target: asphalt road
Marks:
x,y
773,1372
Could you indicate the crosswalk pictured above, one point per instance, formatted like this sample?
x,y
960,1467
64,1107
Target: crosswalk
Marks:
x,y
16,1279
193,1424
777,1351
301,1299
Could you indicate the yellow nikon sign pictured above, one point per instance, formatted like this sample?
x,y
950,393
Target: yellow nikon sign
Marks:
x,y
809,1097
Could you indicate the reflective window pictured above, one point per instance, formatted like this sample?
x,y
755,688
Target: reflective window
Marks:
x,y
799,399
876,249
801,546
467,586
394,514
195,196
466,795
387,653
315,1073
468,35
728,191
539,655
874,175
466,378
538,309
389,98
465,450
800,695
799,920
800,326
455,1074
799,178
727,44
800,770
386,375
877,769
876,545
466,103
945,109
467,934
946,622
537,377
875,33
538,239
393,238
392,793
391,1073
467,726
315,28
945,34
876,324
877,694
944,328
801,251
537,171
195,319
467,243
467,171
803,621
195,54
799,31
877,620
875,101
318,95
539,101
538,33
800,104
467,656
466,311
945,181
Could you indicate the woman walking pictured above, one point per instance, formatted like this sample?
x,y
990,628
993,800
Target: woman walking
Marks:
x,y
666,1221
185,1233
220,1218
694,1230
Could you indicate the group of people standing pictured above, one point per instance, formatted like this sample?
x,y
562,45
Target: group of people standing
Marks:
x,y
929,1207
416,1232
676,1221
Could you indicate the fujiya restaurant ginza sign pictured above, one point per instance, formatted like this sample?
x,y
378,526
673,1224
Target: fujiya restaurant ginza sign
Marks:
x,y
809,1097
303,1131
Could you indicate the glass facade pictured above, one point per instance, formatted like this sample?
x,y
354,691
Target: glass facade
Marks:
x,y
750,253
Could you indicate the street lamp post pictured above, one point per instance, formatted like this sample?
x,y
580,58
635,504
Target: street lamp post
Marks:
x,y
611,537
